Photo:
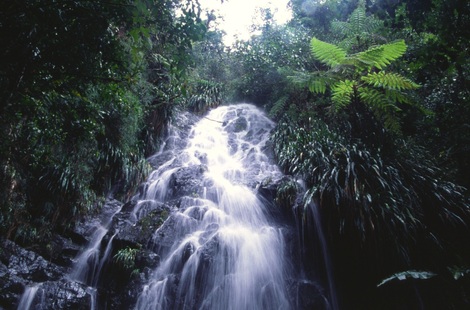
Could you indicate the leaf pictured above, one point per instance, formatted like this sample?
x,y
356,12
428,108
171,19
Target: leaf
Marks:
x,y
380,56
357,20
327,53
407,275
317,85
341,93
389,80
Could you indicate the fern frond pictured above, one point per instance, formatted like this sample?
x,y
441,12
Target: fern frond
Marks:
x,y
299,78
316,81
372,25
341,93
380,56
396,96
318,85
327,53
389,80
372,97
381,106
278,106
342,28
348,43
357,20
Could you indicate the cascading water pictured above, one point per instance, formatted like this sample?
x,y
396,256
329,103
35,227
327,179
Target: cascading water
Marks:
x,y
220,247
29,295
87,267
89,263
229,255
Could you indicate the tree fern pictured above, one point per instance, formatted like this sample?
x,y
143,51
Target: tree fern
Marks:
x,y
316,82
358,29
278,106
389,80
342,93
318,85
357,19
382,106
380,56
327,53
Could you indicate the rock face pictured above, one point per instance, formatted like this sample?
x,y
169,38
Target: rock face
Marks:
x,y
21,270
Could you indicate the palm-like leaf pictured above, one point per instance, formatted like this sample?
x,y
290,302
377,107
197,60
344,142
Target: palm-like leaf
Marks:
x,y
380,56
341,93
389,80
318,85
315,82
327,53
357,20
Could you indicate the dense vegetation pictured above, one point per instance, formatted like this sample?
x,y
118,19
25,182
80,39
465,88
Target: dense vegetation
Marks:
x,y
87,88
371,98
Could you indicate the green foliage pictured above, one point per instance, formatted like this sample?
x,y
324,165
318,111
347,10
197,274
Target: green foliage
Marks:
x,y
354,78
379,56
278,107
389,80
359,31
367,195
286,193
327,53
125,258
205,95
87,88
342,93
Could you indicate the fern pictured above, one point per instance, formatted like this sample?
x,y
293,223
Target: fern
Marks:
x,y
357,20
318,85
372,96
389,80
380,56
327,53
316,82
343,28
342,92
278,107
382,106
359,28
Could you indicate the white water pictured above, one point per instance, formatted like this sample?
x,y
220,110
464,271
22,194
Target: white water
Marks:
x,y
229,255
29,296
89,263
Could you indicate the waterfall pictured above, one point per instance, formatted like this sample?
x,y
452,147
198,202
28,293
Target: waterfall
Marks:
x,y
29,296
228,254
89,263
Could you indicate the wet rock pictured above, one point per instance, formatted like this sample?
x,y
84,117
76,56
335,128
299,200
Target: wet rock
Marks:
x,y
147,259
28,265
187,181
20,269
140,232
238,125
11,288
308,296
85,228
61,295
